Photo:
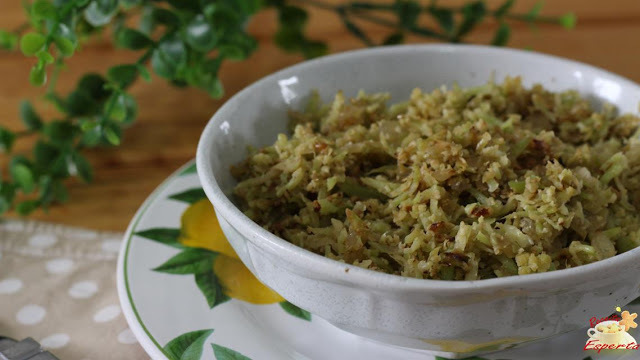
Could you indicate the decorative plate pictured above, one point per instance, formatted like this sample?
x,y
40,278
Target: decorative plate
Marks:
x,y
186,296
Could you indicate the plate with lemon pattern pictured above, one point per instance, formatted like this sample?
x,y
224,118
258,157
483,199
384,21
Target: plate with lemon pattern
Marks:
x,y
187,296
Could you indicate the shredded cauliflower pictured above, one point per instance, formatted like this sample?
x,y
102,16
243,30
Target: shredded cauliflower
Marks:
x,y
457,184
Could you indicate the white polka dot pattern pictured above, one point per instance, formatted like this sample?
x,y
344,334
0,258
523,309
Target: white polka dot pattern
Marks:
x,y
111,245
43,240
127,337
58,286
107,313
83,290
55,341
10,286
31,314
59,266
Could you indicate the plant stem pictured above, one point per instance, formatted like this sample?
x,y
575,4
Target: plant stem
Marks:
x,y
21,28
360,14
24,133
57,67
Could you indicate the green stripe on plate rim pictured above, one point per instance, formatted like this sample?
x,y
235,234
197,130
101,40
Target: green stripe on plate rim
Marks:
x,y
150,200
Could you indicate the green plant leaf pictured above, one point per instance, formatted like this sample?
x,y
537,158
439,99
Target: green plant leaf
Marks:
x,y
232,52
113,134
7,194
394,39
407,12
502,35
132,39
504,8
107,6
312,49
166,236
115,105
210,83
94,86
45,57
210,287
91,136
165,17
187,346
29,117
200,34
131,3
170,55
31,43
144,73
44,154
7,139
60,193
100,12
472,14
568,21
189,261
43,9
80,103
26,207
123,75
60,132
192,5
23,176
8,41
123,108
224,353
65,39
65,45
83,167
535,11
444,18
86,99
38,75
356,31
189,196
295,311
293,16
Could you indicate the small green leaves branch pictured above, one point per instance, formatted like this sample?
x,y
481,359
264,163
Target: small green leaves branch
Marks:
x,y
185,42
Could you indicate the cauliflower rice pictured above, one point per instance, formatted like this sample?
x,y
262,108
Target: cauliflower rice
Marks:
x,y
455,184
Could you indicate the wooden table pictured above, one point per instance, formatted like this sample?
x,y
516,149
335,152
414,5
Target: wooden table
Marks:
x,y
170,119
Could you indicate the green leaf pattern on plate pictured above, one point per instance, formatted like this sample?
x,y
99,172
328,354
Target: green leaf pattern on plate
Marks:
x,y
210,287
295,311
164,236
189,261
191,169
187,346
224,353
198,261
189,196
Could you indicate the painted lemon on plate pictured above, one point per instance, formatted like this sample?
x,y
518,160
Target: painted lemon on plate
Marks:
x,y
206,254
200,229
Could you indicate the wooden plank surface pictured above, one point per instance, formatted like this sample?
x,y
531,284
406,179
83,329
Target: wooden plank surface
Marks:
x,y
170,119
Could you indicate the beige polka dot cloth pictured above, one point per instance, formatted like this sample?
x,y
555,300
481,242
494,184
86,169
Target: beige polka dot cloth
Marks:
x,y
58,286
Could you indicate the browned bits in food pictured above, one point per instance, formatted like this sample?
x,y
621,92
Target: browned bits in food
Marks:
x,y
453,184
319,146
436,227
479,211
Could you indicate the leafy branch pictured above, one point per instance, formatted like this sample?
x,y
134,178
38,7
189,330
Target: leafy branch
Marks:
x,y
185,42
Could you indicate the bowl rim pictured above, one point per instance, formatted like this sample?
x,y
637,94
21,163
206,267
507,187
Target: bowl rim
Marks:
x,y
336,271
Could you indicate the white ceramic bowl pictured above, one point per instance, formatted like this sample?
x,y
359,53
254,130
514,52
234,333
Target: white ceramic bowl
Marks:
x,y
454,318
